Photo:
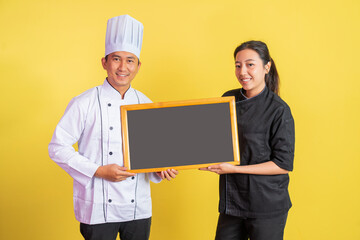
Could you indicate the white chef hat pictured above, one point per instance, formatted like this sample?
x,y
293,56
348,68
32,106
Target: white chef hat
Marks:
x,y
123,33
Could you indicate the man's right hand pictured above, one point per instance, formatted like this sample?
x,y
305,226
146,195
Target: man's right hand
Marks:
x,y
113,173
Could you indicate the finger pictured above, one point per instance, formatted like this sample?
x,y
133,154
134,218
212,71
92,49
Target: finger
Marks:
x,y
214,166
122,168
172,173
176,172
166,174
125,173
204,169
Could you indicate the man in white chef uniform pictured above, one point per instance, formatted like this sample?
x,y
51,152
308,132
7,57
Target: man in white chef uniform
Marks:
x,y
107,199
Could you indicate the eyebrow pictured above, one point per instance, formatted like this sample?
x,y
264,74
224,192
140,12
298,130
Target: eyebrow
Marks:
x,y
131,57
247,60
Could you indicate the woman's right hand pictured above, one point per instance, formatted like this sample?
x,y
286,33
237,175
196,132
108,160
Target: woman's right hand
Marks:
x,y
222,168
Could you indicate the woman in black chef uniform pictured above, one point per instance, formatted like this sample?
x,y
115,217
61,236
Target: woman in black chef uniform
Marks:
x,y
254,197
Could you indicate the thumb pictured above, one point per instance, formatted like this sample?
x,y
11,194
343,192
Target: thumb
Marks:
x,y
122,168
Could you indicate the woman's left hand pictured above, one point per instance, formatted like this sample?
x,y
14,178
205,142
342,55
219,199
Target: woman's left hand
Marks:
x,y
221,168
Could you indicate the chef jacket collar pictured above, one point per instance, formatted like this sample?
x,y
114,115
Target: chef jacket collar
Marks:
x,y
243,97
111,93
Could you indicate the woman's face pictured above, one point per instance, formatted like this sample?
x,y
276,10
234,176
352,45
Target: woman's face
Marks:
x,y
250,71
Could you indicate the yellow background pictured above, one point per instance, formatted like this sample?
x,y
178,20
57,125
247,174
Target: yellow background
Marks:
x,y
50,51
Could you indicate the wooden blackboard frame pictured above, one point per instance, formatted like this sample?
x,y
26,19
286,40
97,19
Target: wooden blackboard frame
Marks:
x,y
125,109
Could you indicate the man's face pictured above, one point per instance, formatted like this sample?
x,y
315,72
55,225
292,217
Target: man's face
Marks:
x,y
121,68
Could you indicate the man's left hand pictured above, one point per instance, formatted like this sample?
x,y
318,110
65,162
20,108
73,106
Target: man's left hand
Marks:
x,y
168,174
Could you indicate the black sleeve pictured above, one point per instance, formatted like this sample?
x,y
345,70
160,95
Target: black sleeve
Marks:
x,y
282,141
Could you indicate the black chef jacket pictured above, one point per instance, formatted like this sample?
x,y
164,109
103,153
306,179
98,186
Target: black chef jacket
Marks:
x,y
266,133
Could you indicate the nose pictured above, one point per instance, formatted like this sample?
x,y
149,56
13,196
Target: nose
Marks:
x,y
122,65
242,70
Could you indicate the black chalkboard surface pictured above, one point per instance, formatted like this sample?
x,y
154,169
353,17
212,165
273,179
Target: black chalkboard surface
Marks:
x,y
179,135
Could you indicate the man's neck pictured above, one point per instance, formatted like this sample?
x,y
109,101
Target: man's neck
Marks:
x,y
121,90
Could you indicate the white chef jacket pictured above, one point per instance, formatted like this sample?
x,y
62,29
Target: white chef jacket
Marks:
x,y
97,130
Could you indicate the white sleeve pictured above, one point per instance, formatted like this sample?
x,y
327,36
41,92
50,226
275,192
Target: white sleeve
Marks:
x,y
67,133
154,177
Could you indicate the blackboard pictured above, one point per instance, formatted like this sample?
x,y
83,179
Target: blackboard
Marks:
x,y
179,134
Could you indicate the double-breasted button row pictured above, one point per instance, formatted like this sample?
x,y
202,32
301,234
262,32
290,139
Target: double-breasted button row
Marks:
x,y
111,128
111,153
132,200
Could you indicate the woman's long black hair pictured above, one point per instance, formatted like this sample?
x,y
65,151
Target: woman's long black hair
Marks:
x,y
272,79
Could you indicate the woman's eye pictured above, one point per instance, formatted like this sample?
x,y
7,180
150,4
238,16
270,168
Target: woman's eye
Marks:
x,y
251,64
237,66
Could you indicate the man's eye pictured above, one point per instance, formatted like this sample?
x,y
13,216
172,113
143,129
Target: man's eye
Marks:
x,y
237,66
116,59
251,64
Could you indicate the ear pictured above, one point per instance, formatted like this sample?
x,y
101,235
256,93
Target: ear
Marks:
x,y
103,62
267,67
